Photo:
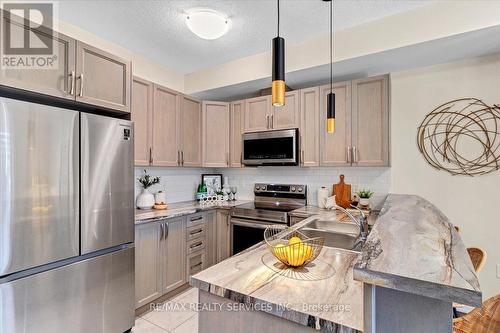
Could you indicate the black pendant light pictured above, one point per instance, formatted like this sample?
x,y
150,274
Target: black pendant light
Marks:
x,y
330,111
278,85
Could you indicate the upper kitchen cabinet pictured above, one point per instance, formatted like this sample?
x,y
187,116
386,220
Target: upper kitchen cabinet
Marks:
x,y
260,115
236,119
309,126
165,127
370,125
142,114
82,72
190,132
102,78
288,115
216,123
257,114
335,148
58,82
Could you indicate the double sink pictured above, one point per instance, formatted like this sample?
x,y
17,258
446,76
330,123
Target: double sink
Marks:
x,y
344,235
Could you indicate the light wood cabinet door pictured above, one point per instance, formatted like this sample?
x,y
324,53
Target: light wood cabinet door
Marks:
x,y
215,134
258,114
210,218
334,147
148,285
141,115
370,126
174,254
165,127
235,131
288,115
223,235
190,132
56,82
309,127
103,79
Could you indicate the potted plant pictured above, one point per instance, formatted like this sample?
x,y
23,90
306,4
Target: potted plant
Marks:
x,y
364,197
146,199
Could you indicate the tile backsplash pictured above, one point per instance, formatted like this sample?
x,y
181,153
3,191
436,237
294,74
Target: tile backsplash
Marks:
x,y
180,184
376,179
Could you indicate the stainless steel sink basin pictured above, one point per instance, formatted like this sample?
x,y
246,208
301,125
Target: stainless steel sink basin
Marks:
x,y
336,234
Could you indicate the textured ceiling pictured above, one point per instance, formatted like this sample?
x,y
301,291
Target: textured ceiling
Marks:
x,y
157,30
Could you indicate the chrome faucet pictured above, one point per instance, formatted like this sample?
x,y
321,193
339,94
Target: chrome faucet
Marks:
x,y
359,222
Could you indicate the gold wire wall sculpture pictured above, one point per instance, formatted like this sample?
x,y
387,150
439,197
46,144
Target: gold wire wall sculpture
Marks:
x,y
462,137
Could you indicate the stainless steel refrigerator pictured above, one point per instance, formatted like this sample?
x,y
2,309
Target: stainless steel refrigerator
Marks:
x,y
66,220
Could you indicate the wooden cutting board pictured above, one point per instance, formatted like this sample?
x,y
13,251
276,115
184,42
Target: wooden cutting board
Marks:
x,y
342,192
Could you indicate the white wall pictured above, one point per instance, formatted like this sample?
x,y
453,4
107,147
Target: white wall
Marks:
x,y
470,202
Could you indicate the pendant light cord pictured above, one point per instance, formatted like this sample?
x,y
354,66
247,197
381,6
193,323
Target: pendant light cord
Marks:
x,y
278,2
331,46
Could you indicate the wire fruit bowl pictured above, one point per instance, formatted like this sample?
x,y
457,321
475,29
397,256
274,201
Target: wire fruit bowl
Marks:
x,y
292,247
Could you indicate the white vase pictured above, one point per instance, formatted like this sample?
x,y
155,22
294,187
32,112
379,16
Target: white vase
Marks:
x,y
145,200
364,202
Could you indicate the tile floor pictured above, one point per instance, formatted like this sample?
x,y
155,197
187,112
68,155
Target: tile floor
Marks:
x,y
177,315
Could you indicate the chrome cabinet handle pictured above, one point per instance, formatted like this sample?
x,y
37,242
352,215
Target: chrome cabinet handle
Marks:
x,y
197,218
348,154
165,234
199,231
161,230
182,158
227,159
178,158
272,121
197,245
72,82
150,155
267,121
81,85
354,154
302,156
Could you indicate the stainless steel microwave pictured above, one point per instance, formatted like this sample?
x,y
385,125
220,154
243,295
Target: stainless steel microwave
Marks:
x,y
271,147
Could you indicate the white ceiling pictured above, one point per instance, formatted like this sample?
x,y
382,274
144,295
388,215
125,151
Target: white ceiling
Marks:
x,y
157,30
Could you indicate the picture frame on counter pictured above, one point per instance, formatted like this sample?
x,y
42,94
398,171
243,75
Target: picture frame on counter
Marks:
x,y
213,181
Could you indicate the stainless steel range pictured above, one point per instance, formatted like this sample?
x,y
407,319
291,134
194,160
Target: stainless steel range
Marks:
x,y
271,206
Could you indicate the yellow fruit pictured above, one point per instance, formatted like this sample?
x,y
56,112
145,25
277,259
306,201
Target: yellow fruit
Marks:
x,y
308,251
280,251
295,254
294,240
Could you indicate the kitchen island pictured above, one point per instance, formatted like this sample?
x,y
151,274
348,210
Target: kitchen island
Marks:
x,y
410,270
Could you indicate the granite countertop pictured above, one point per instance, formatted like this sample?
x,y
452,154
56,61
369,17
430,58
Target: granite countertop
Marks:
x,y
414,248
323,295
181,209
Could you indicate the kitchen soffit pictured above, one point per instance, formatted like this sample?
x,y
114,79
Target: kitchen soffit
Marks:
x,y
157,29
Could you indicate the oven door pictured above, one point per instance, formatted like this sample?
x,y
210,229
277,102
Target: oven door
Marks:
x,y
246,233
271,148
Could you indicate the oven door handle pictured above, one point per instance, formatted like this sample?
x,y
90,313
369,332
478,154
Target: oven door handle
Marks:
x,y
256,225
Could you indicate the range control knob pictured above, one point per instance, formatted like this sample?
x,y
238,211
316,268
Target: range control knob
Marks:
x,y
300,189
257,188
292,189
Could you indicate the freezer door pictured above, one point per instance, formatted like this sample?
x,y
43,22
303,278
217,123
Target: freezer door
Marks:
x,y
94,295
39,185
107,176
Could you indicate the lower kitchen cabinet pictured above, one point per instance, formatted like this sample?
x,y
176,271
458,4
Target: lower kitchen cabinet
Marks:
x,y
160,258
223,235
148,266
173,254
211,236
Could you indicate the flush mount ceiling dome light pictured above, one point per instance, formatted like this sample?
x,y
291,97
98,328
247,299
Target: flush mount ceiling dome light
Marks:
x,y
207,23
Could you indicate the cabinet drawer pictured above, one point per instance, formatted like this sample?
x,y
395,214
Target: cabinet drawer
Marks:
x,y
195,219
195,232
195,262
195,245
